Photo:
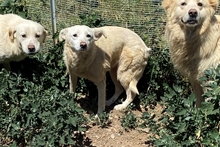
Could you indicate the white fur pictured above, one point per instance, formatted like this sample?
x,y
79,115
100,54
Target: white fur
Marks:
x,y
91,52
194,45
18,38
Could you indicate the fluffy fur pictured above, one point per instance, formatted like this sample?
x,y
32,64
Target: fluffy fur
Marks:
x,y
193,32
18,38
91,52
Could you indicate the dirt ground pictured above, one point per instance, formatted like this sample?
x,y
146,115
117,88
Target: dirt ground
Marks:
x,y
114,135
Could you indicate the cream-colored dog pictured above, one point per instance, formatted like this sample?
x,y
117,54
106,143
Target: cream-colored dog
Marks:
x,y
193,32
18,38
91,52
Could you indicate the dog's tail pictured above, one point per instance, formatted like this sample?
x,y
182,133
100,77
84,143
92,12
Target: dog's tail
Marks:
x,y
133,87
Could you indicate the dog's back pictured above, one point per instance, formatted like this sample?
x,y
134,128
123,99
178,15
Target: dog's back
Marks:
x,y
121,42
128,58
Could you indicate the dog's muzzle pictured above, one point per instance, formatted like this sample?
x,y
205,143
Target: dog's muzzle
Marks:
x,y
193,14
83,46
31,49
192,17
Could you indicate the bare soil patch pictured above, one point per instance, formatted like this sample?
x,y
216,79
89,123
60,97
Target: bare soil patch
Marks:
x,y
113,134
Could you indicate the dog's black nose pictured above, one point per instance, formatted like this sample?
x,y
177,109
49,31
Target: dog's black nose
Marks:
x,y
83,45
193,13
31,48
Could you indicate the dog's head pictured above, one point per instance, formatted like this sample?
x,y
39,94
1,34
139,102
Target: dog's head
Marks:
x,y
190,12
80,37
29,36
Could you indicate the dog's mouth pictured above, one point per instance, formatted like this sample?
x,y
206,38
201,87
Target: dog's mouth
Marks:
x,y
190,22
83,49
31,53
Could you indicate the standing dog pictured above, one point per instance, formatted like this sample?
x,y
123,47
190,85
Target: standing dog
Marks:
x,y
18,38
91,52
193,32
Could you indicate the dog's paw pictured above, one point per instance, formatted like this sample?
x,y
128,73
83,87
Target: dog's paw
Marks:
x,y
120,107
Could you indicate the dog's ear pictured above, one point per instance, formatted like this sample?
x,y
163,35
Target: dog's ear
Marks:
x,y
214,4
63,33
44,35
98,32
11,34
166,4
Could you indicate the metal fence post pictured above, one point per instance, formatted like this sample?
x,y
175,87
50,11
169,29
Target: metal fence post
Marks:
x,y
53,18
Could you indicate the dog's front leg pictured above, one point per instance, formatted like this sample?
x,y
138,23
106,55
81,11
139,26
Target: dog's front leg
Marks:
x,y
198,91
72,82
101,86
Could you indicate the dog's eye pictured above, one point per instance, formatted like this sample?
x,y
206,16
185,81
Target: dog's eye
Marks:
x,y
74,35
200,4
183,4
89,36
37,36
23,36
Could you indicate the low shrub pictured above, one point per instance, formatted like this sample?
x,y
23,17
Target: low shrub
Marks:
x,y
36,107
182,124
129,121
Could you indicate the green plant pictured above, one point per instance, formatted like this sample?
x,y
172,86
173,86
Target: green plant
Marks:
x,y
129,121
102,119
182,124
36,107
14,6
37,110
92,19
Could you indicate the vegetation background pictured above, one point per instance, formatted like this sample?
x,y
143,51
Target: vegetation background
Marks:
x,y
37,110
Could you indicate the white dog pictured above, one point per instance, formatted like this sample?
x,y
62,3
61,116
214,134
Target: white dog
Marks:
x,y
91,52
18,38
193,34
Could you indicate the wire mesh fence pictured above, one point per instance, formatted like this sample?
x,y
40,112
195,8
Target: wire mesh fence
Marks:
x,y
145,17
142,16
